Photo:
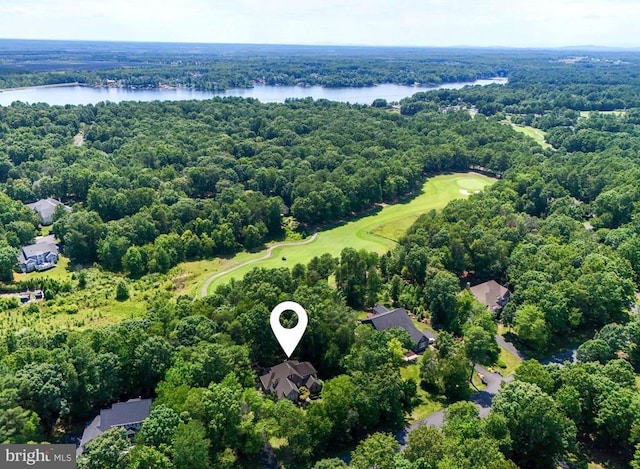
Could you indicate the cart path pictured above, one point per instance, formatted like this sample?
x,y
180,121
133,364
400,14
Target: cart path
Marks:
x,y
267,255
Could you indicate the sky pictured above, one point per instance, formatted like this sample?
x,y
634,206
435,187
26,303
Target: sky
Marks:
x,y
482,23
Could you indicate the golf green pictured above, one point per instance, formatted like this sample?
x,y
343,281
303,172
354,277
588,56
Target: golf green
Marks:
x,y
377,232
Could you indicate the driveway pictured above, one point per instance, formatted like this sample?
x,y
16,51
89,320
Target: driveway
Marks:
x,y
509,347
567,355
483,399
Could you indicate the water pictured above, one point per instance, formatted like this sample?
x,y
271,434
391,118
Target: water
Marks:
x,y
267,94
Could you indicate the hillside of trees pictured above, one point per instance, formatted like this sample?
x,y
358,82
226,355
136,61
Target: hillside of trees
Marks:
x,y
158,183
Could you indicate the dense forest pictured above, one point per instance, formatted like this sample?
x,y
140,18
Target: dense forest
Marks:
x,y
155,184
158,183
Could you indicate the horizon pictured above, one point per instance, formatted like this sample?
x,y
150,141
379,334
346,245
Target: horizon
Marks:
x,y
372,23
569,47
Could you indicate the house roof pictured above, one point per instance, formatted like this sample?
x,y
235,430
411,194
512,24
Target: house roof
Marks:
x,y
42,245
122,413
379,309
278,378
311,381
305,369
488,293
284,388
397,318
34,250
46,207
91,432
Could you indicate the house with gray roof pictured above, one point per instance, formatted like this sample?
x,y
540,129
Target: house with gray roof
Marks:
x,y
492,294
41,255
383,319
46,208
286,379
128,415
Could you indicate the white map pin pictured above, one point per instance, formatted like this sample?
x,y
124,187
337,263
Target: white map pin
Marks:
x,y
289,338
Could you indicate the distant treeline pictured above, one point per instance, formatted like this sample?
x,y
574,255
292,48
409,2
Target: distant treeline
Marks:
x,y
219,67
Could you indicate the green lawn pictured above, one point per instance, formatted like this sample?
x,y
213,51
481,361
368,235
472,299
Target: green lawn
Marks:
x,y
376,232
536,134
615,113
427,404
510,360
477,382
421,326
46,230
59,272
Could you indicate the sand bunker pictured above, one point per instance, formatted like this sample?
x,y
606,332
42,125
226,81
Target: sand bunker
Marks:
x,y
464,192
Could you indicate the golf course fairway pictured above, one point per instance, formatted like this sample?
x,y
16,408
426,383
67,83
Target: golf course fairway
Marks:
x,y
377,232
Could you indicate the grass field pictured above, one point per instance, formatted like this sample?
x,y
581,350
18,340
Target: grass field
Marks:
x,y
377,232
59,272
427,404
536,134
615,113
510,360
93,306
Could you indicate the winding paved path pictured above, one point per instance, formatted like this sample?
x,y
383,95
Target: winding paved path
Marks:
x,y
267,255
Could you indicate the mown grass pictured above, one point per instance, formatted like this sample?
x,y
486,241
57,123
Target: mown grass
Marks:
x,y
427,404
510,360
421,326
615,113
536,134
60,272
46,230
377,232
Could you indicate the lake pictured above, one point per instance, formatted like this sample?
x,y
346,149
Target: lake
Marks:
x,y
62,95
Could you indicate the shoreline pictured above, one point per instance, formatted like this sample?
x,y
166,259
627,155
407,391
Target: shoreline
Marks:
x,y
54,85
426,87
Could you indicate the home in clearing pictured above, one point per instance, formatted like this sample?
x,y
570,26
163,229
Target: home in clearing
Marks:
x,y
46,208
41,255
128,415
383,319
492,294
286,379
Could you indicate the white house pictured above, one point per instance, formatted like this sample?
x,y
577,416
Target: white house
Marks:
x,y
42,255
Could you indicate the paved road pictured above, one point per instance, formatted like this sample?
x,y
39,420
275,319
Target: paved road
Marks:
x,y
568,355
267,255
